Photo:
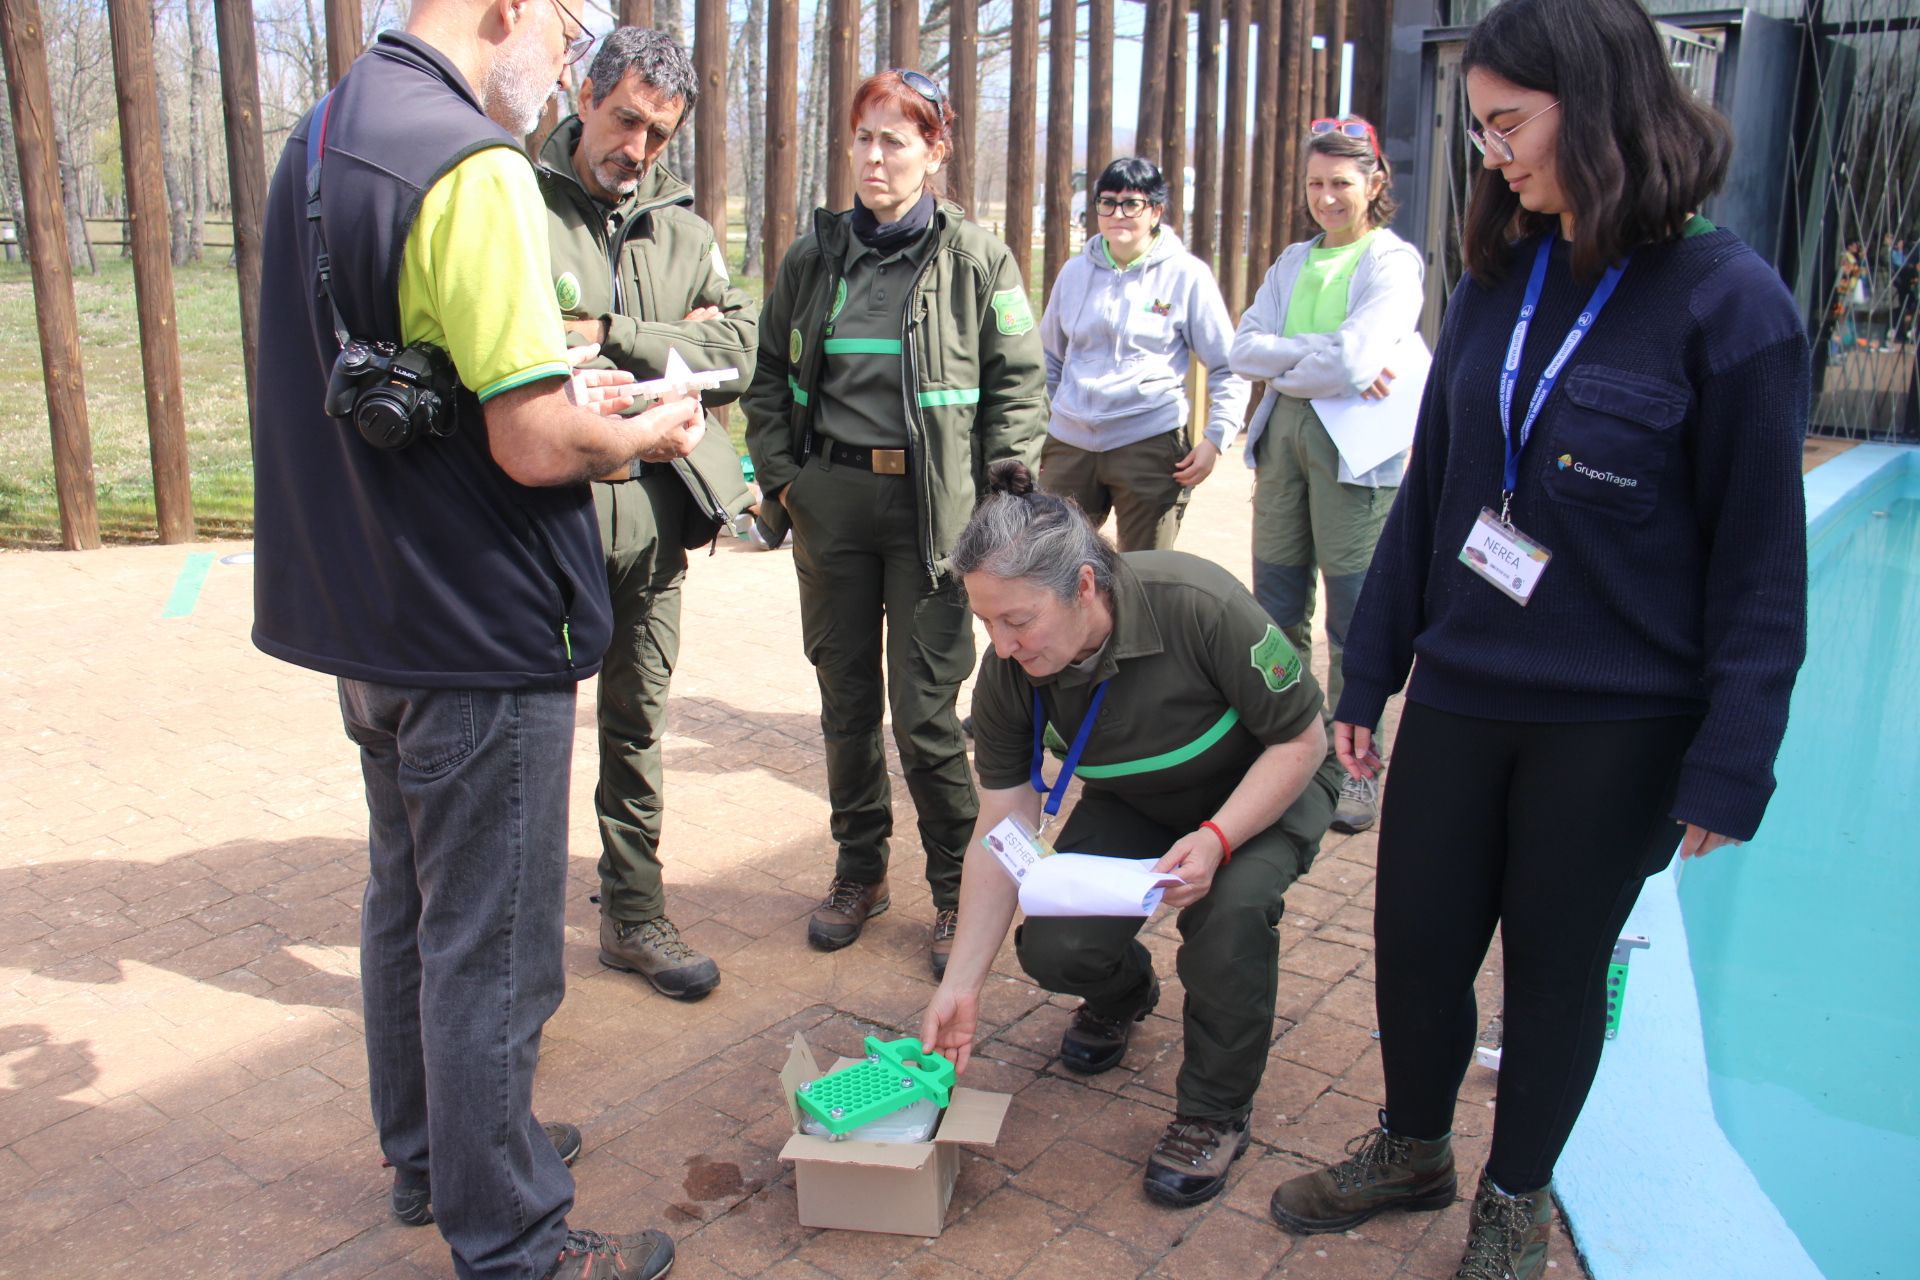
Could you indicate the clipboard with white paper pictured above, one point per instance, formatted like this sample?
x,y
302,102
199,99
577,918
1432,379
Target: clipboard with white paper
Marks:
x,y
1369,432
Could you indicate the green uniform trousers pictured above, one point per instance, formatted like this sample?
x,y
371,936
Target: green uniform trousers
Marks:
x,y
645,570
1306,523
1229,960
859,563
1135,482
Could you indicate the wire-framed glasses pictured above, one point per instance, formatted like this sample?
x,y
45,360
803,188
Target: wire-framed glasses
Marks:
x,y
1493,142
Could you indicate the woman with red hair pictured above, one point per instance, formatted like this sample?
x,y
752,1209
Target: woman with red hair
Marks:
x,y
898,358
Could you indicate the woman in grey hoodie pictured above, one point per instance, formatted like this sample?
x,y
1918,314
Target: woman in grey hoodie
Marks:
x,y
1325,323
1123,324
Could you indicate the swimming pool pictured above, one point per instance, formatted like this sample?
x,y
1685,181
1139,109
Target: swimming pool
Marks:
x,y
1760,1114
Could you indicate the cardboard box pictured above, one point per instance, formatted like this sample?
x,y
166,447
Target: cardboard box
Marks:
x,y
897,1187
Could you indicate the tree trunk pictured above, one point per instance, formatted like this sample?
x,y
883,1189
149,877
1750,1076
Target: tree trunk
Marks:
x,y
79,246
196,137
754,169
816,151
178,228
11,190
316,55
683,148
882,35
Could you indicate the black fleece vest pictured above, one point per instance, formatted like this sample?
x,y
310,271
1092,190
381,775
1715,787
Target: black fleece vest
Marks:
x,y
429,566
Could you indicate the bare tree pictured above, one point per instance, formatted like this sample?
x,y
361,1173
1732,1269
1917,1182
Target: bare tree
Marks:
x,y
811,188
196,132
755,172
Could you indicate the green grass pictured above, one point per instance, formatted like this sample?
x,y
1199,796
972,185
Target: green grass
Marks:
x,y
207,310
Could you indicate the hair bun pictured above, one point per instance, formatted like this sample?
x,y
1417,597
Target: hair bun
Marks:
x,y
1009,476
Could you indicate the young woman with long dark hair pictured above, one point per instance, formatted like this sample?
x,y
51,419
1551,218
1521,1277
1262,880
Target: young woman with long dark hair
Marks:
x,y
1599,556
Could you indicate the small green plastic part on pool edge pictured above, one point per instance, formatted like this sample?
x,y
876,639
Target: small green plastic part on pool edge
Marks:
x,y
896,1074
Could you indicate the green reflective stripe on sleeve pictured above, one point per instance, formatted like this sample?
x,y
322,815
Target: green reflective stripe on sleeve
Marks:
x,y
956,395
861,346
800,397
1166,759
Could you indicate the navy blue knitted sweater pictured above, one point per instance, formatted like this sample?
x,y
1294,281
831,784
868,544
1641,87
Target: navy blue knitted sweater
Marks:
x,y
1664,476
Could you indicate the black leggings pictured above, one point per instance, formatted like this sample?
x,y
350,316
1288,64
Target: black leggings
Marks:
x,y
1547,830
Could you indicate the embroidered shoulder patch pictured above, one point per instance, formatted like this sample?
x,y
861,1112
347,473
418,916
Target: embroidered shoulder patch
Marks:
x,y
566,291
1276,661
1011,311
839,301
794,347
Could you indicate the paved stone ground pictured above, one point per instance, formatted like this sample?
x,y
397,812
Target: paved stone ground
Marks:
x,y
182,1081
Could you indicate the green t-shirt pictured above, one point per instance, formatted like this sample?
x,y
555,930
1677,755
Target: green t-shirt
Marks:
x,y
1318,303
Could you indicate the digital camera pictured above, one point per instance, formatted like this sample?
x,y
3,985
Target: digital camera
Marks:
x,y
394,396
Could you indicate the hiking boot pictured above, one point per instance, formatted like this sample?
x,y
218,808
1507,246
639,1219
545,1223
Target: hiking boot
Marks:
x,y
844,912
1359,805
1509,1236
1382,1171
946,922
1190,1162
412,1196
1095,1042
640,1256
654,950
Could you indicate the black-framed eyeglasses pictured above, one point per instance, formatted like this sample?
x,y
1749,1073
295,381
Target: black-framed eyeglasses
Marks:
x,y
1127,207
576,47
924,85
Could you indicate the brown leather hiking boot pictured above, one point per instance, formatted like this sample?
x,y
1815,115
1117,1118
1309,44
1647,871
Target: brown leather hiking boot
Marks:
x,y
654,950
946,922
1190,1162
644,1255
1382,1171
844,912
1509,1236
1095,1042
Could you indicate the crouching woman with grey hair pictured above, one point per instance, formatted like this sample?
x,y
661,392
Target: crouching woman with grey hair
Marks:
x,y
1195,729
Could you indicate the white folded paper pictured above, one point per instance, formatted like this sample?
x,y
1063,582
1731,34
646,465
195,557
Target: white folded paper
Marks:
x,y
1083,884
1368,432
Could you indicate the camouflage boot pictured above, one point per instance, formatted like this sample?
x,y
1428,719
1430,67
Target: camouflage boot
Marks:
x,y
1509,1236
1382,1171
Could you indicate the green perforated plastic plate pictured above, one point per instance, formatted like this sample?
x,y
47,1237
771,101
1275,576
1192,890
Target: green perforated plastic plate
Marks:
x,y
896,1074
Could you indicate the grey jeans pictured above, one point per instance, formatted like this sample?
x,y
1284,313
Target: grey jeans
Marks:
x,y
460,960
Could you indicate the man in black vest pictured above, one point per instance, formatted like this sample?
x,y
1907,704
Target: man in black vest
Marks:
x,y
453,587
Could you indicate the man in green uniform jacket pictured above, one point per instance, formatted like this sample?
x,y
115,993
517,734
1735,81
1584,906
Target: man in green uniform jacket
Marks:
x,y
637,271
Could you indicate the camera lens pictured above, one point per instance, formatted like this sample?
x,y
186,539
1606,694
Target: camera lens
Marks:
x,y
384,420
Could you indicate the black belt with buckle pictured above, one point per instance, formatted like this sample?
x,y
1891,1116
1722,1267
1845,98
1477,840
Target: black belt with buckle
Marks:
x,y
641,471
882,462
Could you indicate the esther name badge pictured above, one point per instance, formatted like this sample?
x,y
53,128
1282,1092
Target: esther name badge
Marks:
x,y
1018,848
1504,556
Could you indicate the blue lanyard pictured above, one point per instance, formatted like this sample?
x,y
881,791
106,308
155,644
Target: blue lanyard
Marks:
x,y
1058,791
1510,371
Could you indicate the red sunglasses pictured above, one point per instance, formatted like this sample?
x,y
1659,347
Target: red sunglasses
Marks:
x,y
1352,128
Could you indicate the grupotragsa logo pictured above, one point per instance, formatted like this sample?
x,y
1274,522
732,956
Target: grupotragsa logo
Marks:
x,y
1566,461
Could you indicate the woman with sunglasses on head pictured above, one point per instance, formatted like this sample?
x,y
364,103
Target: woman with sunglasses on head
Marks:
x,y
898,358
1122,325
1599,558
1326,323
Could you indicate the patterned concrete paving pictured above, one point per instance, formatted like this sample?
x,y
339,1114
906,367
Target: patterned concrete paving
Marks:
x,y
182,1082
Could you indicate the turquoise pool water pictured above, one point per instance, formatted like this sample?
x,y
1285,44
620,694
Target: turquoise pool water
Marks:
x,y
1806,943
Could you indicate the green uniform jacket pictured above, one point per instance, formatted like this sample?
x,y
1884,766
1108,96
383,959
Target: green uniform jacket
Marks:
x,y
641,266
972,372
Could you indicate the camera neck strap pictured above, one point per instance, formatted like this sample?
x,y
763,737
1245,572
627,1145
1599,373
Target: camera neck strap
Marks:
x,y
316,147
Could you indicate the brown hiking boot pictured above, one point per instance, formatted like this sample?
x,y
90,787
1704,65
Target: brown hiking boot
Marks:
x,y
1095,1042
654,950
946,923
1509,1236
1382,1171
844,912
1190,1162
644,1255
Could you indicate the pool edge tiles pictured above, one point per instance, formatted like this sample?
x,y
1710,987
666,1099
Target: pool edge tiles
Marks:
x,y
1651,1185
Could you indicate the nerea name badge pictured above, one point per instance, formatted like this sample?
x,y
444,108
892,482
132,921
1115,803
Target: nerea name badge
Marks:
x,y
1504,556
1014,843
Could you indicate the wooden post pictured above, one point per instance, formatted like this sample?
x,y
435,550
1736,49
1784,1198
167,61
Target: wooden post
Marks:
x,y
343,37
246,167
783,119
1233,274
903,33
1289,199
1022,111
1336,31
23,44
1061,39
1099,98
1266,122
1174,146
1203,229
710,117
1369,28
133,74
963,72
843,71
1295,22
636,13
1150,131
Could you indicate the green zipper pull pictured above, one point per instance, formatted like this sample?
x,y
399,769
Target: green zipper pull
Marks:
x,y
566,639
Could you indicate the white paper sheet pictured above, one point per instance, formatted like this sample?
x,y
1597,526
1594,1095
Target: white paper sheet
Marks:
x,y
1082,884
1368,432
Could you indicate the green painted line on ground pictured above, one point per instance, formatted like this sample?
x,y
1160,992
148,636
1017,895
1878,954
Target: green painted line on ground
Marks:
x,y
186,589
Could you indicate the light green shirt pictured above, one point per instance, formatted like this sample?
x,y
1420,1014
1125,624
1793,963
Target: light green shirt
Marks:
x,y
1319,300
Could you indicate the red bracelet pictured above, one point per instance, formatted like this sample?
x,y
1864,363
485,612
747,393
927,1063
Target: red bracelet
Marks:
x,y
1226,847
